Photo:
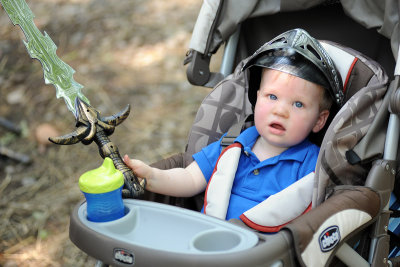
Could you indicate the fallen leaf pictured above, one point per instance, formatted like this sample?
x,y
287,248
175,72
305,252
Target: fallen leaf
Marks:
x,y
42,134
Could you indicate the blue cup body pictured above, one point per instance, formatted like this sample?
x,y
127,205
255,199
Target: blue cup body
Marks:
x,y
105,207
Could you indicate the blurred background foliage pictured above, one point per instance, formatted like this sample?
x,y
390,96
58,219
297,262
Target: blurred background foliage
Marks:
x,y
123,52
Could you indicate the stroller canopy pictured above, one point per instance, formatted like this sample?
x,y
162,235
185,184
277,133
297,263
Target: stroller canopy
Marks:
x,y
219,19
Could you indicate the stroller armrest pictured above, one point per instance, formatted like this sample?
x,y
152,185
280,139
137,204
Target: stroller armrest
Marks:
x,y
318,233
179,160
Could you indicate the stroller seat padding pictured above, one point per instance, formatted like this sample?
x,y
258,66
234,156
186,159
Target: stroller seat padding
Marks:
x,y
318,233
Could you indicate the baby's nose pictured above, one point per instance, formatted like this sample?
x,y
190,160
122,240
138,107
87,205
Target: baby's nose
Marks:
x,y
281,109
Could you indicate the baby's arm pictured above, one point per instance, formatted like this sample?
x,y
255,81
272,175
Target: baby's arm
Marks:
x,y
177,182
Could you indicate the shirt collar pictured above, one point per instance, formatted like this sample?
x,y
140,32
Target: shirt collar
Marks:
x,y
298,152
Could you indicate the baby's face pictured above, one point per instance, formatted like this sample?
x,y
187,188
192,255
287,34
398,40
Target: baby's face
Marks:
x,y
287,108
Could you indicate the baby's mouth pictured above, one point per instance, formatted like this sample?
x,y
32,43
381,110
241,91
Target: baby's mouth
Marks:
x,y
277,126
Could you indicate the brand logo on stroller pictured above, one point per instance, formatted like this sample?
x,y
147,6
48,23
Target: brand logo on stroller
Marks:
x,y
329,238
124,256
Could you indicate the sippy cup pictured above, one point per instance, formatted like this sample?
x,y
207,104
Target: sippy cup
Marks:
x,y
102,188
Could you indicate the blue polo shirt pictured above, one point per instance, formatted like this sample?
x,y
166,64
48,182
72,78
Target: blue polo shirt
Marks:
x,y
255,181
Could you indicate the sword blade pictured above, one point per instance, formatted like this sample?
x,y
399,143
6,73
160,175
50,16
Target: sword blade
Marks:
x,y
42,48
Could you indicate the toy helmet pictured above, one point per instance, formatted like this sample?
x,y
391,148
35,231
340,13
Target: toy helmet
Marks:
x,y
297,53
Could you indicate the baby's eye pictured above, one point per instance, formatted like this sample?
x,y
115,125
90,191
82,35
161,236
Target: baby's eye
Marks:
x,y
298,104
272,97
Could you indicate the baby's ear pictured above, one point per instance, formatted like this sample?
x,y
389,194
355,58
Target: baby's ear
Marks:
x,y
323,117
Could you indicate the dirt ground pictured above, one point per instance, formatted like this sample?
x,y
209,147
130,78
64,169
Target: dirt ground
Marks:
x,y
123,52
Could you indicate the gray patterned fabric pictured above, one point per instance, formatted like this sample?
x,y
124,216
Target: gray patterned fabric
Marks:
x,y
226,105
363,117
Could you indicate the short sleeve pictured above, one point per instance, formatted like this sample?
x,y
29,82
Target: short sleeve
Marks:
x,y
207,158
310,161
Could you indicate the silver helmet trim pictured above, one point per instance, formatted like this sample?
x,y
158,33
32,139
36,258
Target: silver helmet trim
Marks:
x,y
299,41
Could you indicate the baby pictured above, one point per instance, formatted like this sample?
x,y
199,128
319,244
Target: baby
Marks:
x,y
291,96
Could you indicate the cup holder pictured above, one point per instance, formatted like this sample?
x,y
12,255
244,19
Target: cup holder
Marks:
x,y
216,241
123,225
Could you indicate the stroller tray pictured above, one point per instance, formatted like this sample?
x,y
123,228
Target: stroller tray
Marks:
x,y
154,232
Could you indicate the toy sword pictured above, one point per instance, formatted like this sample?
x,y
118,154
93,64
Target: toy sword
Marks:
x,y
90,126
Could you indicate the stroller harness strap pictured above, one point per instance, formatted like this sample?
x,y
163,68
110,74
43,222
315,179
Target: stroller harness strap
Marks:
x,y
219,187
266,216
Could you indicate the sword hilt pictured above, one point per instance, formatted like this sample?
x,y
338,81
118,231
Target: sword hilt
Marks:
x,y
109,149
92,127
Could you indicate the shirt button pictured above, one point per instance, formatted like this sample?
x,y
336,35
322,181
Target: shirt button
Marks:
x,y
256,172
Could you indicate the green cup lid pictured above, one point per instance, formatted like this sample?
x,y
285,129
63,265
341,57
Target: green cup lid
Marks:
x,y
101,180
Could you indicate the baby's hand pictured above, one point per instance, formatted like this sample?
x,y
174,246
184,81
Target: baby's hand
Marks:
x,y
141,169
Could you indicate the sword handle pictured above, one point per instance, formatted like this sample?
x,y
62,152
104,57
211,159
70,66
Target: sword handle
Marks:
x,y
109,149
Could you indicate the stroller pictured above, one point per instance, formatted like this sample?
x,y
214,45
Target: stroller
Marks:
x,y
356,169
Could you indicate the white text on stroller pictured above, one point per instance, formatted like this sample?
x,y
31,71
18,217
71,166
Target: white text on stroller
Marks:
x,y
329,238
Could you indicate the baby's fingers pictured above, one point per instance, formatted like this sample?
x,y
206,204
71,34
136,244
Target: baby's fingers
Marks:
x,y
138,167
126,159
132,163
